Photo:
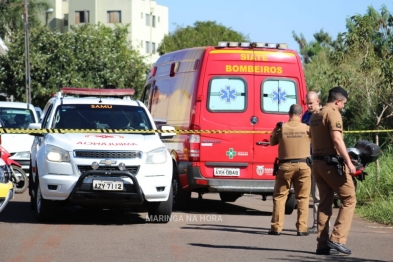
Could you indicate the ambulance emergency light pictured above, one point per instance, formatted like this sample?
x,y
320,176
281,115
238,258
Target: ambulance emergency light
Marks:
x,y
253,45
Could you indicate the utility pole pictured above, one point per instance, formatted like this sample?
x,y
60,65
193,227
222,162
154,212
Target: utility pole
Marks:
x,y
27,51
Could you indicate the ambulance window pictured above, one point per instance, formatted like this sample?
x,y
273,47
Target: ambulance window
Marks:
x,y
227,94
146,96
278,95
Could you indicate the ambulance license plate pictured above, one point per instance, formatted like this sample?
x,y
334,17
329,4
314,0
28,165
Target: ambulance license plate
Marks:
x,y
219,171
108,185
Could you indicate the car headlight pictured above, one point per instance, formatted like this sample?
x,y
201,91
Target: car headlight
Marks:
x,y
56,154
21,155
156,156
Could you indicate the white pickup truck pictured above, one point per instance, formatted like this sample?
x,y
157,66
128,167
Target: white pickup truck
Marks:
x,y
18,115
108,170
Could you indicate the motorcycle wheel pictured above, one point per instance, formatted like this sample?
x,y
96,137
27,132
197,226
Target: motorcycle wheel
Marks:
x,y
23,183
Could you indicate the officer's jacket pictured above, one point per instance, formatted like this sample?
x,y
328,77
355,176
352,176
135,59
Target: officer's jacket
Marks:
x,y
293,139
321,124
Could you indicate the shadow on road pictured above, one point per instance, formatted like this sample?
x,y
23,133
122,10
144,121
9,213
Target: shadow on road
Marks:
x,y
292,258
20,212
237,229
211,206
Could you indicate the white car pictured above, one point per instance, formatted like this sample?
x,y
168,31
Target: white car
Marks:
x,y
18,115
111,169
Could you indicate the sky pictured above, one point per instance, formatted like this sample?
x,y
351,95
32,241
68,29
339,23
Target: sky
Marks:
x,y
271,20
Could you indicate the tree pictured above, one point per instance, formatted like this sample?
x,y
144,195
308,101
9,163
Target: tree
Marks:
x,y
11,12
88,56
207,33
368,48
309,49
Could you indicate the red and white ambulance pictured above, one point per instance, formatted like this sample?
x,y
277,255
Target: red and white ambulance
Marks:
x,y
232,86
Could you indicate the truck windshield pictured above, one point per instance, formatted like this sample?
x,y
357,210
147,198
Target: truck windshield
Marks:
x,y
16,117
101,117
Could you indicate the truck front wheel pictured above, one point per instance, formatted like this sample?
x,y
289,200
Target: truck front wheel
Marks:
x,y
43,208
160,212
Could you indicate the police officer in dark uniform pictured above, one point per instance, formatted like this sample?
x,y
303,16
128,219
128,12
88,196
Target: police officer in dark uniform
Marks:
x,y
293,139
332,168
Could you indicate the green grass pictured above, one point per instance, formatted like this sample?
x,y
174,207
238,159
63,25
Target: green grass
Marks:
x,y
379,210
375,197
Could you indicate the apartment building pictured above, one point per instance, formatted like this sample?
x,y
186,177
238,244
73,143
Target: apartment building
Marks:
x,y
148,21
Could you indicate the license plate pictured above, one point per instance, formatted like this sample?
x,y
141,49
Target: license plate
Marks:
x,y
219,171
107,185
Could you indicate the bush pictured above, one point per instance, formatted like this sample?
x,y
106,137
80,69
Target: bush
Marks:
x,y
375,197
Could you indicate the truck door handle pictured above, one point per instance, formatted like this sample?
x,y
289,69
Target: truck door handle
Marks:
x,y
260,143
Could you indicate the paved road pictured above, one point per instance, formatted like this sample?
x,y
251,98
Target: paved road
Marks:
x,y
210,231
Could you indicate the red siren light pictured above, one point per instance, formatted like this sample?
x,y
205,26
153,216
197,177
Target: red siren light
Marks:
x,y
98,91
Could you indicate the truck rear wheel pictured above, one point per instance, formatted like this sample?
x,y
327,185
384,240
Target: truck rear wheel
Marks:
x,y
181,198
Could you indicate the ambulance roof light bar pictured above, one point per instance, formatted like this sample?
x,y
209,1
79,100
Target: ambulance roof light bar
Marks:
x,y
253,45
97,91
272,45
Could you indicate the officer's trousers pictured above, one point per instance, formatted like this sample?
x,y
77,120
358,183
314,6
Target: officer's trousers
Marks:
x,y
315,198
298,174
329,181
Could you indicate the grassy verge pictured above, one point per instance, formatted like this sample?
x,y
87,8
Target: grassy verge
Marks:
x,y
379,210
375,196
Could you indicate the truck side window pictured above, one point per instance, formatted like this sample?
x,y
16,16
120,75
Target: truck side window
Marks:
x,y
46,119
278,95
227,94
146,95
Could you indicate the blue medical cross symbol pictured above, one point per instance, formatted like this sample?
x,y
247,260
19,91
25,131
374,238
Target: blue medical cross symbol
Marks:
x,y
231,153
279,96
227,94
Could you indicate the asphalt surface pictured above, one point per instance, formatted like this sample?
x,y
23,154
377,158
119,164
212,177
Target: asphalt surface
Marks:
x,y
210,230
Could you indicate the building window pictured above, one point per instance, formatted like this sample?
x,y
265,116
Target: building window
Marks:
x,y
153,22
141,43
147,47
141,15
158,18
153,47
65,19
147,19
114,17
81,17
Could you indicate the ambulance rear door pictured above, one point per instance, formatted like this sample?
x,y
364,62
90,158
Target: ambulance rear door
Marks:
x,y
276,88
228,104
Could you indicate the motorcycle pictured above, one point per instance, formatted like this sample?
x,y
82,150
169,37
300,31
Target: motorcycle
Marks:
x,y
363,154
18,176
6,186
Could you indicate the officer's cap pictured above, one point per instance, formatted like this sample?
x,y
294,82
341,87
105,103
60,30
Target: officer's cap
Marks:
x,y
339,89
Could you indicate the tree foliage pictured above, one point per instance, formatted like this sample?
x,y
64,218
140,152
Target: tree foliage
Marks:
x,y
11,12
88,56
360,60
207,33
310,49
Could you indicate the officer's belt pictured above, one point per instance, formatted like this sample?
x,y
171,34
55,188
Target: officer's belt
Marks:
x,y
301,160
319,158
323,157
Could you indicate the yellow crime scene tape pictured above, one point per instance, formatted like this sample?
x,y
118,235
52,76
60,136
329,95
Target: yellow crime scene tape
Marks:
x,y
131,131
